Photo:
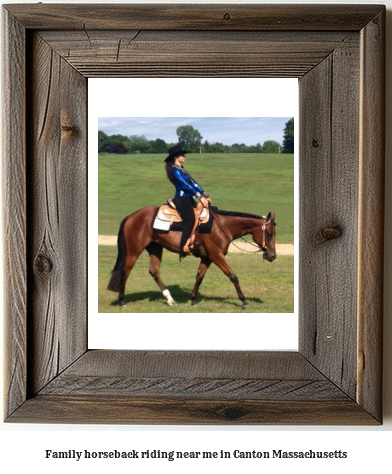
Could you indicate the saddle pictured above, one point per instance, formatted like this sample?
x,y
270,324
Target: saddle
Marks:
x,y
167,215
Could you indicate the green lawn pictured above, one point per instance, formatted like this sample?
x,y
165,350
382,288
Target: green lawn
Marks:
x,y
255,183
268,287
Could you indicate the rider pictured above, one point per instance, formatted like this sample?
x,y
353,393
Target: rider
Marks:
x,y
188,193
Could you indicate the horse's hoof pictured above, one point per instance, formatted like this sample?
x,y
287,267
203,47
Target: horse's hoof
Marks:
x,y
194,304
171,303
246,306
122,306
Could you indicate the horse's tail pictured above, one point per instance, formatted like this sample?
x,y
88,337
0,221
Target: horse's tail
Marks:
x,y
118,270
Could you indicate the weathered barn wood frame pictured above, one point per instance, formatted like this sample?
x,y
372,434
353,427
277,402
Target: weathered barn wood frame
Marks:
x,y
337,52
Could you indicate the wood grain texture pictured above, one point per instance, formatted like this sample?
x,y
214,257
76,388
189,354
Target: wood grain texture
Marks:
x,y
208,375
57,215
329,98
194,17
103,409
371,216
193,387
188,387
14,209
208,364
193,53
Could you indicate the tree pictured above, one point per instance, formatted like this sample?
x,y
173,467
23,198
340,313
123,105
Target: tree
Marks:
x,y
259,148
189,138
158,146
113,144
101,140
270,146
288,137
239,148
139,144
217,148
206,147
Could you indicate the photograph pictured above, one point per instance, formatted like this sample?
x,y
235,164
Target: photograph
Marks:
x,y
179,194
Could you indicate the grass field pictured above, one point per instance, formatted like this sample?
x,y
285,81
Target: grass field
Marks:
x,y
255,183
268,287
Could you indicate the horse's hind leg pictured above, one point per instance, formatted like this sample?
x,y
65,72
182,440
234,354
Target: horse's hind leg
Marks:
x,y
203,267
129,264
155,252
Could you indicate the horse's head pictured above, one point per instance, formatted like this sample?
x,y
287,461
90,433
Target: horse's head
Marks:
x,y
264,236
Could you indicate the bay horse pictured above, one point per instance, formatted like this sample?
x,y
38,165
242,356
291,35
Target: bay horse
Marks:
x,y
137,234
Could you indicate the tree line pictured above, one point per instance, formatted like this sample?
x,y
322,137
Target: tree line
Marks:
x,y
191,140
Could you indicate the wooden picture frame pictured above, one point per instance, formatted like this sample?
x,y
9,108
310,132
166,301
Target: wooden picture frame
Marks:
x,y
338,54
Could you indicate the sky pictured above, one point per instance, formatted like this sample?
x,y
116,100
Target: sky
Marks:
x,y
226,130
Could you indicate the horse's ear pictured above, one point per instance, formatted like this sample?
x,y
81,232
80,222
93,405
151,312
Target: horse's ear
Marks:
x,y
273,217
269,216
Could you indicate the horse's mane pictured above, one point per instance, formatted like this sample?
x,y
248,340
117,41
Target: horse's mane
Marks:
x,y
238,214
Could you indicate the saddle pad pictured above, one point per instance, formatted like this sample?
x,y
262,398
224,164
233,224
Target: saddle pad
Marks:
x,y
161,225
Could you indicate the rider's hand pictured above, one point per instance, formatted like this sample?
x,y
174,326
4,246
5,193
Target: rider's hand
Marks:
x,y
205,201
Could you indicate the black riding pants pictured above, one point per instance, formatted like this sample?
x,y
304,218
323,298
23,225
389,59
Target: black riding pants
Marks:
x,y
185,207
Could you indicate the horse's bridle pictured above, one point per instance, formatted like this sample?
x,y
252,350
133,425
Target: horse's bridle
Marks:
x,y
264,228
262,249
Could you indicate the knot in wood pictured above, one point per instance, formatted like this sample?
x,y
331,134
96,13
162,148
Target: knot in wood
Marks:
x,y
69,128
233,413
43,264
315,143
227,16
328,233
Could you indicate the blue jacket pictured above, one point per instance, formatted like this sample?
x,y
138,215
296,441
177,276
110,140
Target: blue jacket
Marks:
x,y
185,185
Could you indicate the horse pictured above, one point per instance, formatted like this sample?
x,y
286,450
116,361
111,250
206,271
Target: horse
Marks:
x,y
137,234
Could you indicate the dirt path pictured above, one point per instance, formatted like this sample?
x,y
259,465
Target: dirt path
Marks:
x,y
281,249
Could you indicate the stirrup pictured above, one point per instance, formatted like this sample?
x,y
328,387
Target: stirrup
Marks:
x,y
196,248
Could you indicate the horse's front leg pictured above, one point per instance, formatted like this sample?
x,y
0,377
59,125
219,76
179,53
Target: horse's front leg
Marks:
x,y
221,262
203,267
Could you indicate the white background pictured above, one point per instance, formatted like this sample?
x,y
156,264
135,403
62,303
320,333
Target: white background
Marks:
x,y
177,331
22,446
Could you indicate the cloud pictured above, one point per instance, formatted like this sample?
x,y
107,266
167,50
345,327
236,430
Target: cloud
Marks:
x,y
226,130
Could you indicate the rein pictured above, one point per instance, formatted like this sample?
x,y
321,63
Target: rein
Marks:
x,y
263,227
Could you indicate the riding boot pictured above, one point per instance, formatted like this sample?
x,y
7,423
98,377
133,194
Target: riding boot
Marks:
x,y
184,251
